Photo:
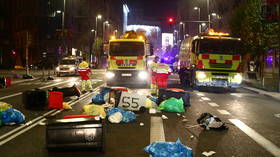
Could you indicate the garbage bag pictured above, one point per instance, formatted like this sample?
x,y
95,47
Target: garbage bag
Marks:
x,y
92,109
12,116
150,103
104,91
98,99
207,121
1,123
4,106
115,117
113,110
154,99
168,149
172,105
128,116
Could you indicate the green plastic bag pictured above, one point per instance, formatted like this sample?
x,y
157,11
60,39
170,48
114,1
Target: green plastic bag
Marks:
x,y
4,106
172,105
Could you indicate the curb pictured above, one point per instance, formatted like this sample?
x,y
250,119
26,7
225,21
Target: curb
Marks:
x,y
262,93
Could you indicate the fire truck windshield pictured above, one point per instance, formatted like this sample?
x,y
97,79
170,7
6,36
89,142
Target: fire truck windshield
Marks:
x,y
126,49
220,46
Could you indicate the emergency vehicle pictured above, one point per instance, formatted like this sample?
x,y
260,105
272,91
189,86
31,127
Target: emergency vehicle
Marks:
x,y
211,59
127,60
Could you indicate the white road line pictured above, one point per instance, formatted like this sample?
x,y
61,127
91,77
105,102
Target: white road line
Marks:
x,y
213,104
205,98
266,144
200,94
156,131
224,112
32,124
19,93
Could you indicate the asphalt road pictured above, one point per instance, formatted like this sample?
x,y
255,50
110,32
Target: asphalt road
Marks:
x,y
253,129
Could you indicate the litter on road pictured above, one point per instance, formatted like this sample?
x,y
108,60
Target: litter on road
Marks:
x,y
164,117
277,115
210,153
141,124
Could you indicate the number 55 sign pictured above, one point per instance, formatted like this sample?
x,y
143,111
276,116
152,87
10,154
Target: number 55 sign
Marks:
x,y
132,101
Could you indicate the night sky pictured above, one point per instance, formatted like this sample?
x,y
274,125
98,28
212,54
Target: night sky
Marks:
x,y
155,8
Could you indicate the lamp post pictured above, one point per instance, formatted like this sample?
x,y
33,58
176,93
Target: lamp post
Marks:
x,y
183,30
96,24
198,9
209,25
104,29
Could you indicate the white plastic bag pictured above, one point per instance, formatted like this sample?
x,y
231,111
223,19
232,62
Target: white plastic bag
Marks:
x,y
115,117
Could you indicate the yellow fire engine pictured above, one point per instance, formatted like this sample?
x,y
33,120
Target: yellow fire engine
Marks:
x,y
127,60
211,59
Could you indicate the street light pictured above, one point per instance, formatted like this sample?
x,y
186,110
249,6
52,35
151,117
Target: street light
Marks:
x,y
96,18
183,31
198,9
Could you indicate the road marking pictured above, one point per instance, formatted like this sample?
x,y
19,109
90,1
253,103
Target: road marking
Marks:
x,y
266,144
157,131
213,104
200,94
31,123
205,98
224,112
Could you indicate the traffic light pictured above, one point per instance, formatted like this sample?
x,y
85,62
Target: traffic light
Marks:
x,y
170,21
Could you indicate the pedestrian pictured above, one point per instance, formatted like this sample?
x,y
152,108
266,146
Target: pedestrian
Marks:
x,y
84,72
153,75
162,72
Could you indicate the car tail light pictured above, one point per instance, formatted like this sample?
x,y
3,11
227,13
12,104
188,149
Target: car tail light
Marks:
x,y
228,61
119,61
212,61
133,62
238,67
236,58
205,56
199,64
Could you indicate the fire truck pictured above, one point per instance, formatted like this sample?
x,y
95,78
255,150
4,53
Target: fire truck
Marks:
x,y
127,60
211,59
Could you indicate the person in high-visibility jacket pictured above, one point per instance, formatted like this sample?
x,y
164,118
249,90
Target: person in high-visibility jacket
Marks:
x,y
153,67
162,73
84,72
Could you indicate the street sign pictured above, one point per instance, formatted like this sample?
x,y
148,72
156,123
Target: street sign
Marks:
x,y
132,101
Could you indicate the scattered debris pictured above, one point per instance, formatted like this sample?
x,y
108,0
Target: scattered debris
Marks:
x,y
152,111
185,120
141,124
277,115
164,117
191,136
178,114
208,153
184,116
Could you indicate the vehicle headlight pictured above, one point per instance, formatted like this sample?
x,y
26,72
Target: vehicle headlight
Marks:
x,y
201,75
238,78
57,68
72,68
143,75
109,74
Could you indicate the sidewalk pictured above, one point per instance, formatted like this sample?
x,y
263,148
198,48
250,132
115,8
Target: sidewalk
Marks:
x,y
248,85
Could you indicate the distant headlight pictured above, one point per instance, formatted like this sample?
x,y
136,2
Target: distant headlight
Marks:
x,y
143,75
201,75
109,75
57,68
72,68
238,78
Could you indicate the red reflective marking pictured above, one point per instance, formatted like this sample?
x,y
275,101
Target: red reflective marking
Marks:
x,y
213,61
235,57
228,61
133,61
119,62
139,57
205,56
113,57
238,68
199,64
